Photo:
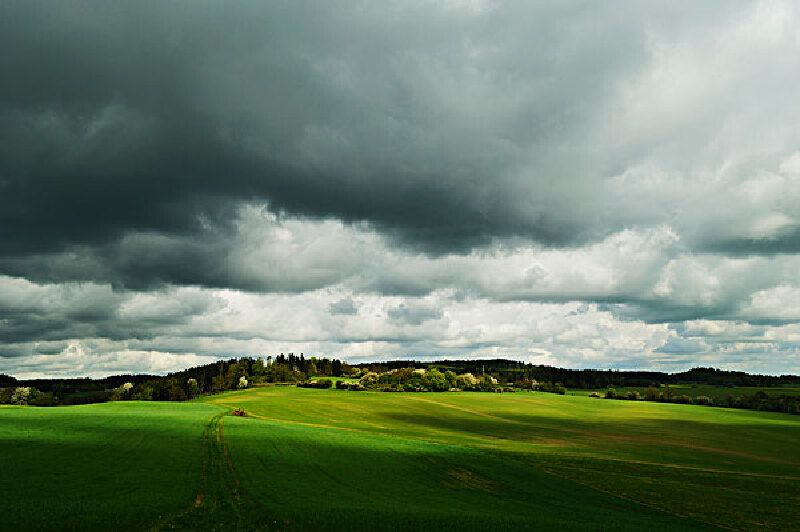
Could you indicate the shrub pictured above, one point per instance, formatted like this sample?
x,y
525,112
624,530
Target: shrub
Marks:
x,y
5,395
487,384
682,399
652,394
193,387
527,384
436,381
633,396
594,394
43,399
611,393
23,395
369,379
321,384
702,400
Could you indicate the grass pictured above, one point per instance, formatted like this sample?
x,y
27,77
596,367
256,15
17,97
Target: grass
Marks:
x,y
113,466
310,459
730,467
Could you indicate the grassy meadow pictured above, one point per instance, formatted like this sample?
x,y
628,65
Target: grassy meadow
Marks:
x,y
309,459
111,466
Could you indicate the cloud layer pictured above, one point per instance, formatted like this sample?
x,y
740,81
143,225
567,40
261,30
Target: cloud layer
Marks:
x,y
571,182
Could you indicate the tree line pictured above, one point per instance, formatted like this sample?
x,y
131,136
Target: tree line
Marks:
x,y
759,400
399,375
512,371
215,377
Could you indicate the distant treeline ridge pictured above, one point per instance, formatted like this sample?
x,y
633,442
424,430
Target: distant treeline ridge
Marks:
x,y
242,372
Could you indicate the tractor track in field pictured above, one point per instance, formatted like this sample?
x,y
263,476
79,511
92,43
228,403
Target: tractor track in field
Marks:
x,y
228,460
209,431
214,444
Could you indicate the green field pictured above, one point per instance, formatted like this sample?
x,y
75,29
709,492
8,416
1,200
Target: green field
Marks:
x,y
113,466
333,460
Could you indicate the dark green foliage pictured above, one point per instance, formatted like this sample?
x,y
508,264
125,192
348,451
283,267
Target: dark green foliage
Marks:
x,y
652,394
435,381
349,385
527,384
320,384
507,371
550,387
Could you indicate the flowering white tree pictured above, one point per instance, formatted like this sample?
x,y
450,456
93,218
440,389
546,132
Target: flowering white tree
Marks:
x,y
22,395
194,387
242,382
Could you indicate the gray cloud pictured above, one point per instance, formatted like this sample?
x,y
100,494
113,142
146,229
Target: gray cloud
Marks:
x,y
344,306
414,315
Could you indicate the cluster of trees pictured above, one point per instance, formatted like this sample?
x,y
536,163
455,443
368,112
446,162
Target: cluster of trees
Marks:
x,y
233,374
510,371
211,378
421,380
474,375
757,401
761,401
552,387
322,384
546,386
25,395
51,392
293,368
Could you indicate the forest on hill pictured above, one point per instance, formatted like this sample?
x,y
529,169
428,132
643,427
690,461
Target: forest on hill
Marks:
x,y
396,375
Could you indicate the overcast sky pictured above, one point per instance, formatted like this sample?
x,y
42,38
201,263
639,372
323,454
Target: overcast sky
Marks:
x,y
580,184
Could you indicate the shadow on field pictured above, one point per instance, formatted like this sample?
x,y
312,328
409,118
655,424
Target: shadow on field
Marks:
x,y
740,475
314,478
113,467
759,447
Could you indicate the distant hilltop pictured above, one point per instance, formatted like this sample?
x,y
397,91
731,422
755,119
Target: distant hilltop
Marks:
x,y
505,370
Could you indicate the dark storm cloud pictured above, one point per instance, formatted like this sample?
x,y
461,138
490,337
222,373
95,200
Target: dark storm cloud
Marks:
x,y
788,242
443,126
440,127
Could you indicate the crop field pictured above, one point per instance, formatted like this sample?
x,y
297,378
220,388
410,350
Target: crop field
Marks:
x,y
309,459
113,466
